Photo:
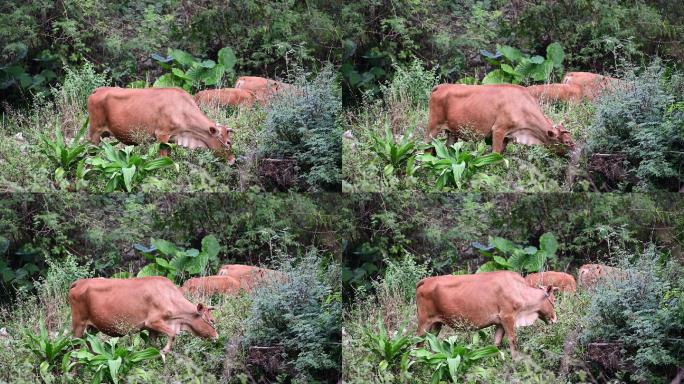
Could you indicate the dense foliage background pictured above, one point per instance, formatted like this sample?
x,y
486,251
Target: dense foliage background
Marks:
x,y
628,329
286,331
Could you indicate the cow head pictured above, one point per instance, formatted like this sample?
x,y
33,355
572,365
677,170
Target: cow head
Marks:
x,y
225,136
561,136
202,323
547,310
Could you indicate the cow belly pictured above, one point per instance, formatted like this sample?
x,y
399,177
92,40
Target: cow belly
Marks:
x,y
525,138
189,141
524,319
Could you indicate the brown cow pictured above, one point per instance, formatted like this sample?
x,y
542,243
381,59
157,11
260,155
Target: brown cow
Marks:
x,y
249,276
500,298
563,281
167,114
119,306
504,111
225,96
209,285
556,92
592,85
590,274
261,87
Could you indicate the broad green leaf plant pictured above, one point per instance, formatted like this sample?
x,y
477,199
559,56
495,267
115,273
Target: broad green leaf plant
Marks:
x,y
399,157
453,166
451,360
176,263
68,158
193,74
507,255
52,353
110,362
122,169
515,67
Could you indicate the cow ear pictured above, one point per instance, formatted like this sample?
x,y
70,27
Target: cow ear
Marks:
x,y
549,289
200,307
213,130
551,133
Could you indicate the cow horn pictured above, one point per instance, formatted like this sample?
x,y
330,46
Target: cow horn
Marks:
x,y
211,307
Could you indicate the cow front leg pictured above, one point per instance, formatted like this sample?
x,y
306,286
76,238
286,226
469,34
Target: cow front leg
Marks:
x,y
508,324
498,335
163,139
160,326
498,140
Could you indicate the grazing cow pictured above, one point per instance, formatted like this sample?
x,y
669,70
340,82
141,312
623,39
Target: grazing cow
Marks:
x,y
166,114
500,298
590,274
592,85
117,307
209,285
261,87
563,281
249,276
556,92
504,111
225,96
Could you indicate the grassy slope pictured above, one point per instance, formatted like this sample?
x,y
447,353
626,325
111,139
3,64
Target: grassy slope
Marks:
x,y
530,168
25,168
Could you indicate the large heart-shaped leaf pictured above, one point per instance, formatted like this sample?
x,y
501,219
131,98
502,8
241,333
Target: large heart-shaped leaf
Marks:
x,y
555,53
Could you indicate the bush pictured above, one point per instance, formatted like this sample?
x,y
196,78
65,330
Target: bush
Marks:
x,y
642,125
643,313
305,126
303,316
412,83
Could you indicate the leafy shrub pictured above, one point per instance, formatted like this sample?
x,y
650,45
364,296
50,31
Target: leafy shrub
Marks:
x,y
516,67
528,259
401,277
399,157
388,348
642,311
454,167
303,315
191,74
67,157
49,352
450,359
644,125
412,83
178,263
304,125
78,83
124,171
111,362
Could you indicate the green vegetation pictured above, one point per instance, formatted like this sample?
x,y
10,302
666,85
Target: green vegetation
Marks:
x,y
628,140
300,129
110,362
516,67
449,359
287,331
528,259
191,74
405,237
179,263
